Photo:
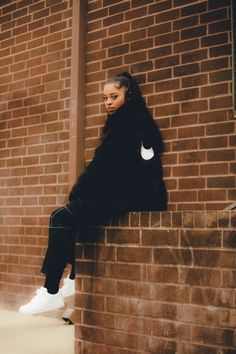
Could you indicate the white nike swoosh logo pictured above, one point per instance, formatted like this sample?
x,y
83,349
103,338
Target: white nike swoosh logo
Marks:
x,y
147,154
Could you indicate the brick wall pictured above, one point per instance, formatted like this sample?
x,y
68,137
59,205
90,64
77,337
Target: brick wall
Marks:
x,y
35,59
164,283
180,52
160,283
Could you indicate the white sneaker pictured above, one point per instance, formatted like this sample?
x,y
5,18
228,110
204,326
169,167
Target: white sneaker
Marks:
x,y
68,287
43,302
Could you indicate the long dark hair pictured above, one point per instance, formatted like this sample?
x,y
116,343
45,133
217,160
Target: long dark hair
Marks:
x,y
136,107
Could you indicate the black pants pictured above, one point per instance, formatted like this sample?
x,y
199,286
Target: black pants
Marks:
x,y
61,239
64,225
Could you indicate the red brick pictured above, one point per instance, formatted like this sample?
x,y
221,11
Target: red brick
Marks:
x,y
98,14
214,40
143,22
183,196
185,22
167,61
212,169
159,75
220,26
201,239
187,69
213,15
196,80
141,44
135,255
186,94
117,29
159,52
141,67
167,85
159,7
213,259
172,256
210,142
134,58
191,157
221,182
204,277
216,64
227,155
159,29
167,38
59,7
116,339
124,271
214,116
58,27
220,51
192,183
208,335
193,32
194,106
112,20
114,61
224,75
223,128
160,237
117,236
221,102
159,99
122,7
115,40
196,55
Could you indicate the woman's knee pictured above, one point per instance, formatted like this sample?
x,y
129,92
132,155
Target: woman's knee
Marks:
x,y
63,218
56,217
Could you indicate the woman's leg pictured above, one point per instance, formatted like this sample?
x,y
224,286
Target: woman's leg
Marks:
x,y
61,243
61,248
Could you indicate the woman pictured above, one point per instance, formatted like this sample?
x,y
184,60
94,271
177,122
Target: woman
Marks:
x,y
125,175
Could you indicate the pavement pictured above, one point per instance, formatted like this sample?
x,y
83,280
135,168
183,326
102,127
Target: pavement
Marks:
x,y
21,334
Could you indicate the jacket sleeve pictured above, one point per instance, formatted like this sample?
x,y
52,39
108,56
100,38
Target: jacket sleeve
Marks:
x,y
151,137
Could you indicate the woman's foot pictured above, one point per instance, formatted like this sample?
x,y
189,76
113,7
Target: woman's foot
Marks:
x,y
68,287
43,302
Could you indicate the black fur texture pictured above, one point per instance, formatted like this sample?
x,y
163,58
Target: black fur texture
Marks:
x,y
118,179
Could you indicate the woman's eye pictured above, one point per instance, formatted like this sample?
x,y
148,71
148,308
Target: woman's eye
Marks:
x,y
111,97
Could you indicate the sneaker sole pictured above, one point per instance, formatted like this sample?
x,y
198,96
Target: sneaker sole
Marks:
x,y
22,312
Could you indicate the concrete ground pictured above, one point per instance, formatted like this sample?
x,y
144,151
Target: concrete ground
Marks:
x,y
20,334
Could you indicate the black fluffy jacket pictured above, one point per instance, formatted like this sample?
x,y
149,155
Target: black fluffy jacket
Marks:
x,y
118,179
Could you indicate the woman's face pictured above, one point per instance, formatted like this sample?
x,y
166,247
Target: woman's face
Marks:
x,y
113,96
